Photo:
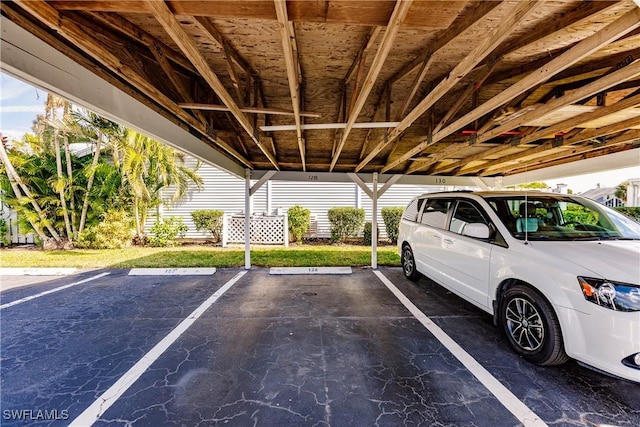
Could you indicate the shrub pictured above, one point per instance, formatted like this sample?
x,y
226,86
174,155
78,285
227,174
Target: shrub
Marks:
x,y
166,230
4,232
345,222
299,220
630,211
366,234
115,231
209,220
391,217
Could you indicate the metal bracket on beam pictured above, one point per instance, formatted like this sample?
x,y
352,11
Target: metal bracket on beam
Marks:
x,y
473,139
558,141
515,141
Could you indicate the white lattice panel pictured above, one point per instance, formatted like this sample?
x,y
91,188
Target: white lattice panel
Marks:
x,y
263,230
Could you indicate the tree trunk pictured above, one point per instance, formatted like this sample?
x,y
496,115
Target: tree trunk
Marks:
x,y
72,203
16,184
94,163
60,187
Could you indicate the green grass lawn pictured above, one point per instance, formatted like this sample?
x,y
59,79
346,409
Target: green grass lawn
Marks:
x,y
200,256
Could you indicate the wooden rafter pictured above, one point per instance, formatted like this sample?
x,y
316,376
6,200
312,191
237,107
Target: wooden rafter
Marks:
x,y
397,17
629,72
361,57
118,23
533,113
288,40
78,36
422,73
444,37
358,64
210,30
621,26
568,124
500,165
171,25
520,12
254,110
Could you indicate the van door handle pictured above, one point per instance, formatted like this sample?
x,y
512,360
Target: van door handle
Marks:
x,y
448,241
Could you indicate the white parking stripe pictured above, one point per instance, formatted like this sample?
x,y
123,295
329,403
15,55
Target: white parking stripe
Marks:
x,y
521,411
109,397
50,291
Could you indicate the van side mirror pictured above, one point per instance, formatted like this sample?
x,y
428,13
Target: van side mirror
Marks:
x,y
477,230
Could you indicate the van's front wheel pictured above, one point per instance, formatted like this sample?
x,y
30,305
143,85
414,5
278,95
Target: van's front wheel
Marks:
x,y
531,326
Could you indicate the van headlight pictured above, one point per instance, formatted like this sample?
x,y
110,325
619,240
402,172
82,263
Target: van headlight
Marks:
x,y
613,295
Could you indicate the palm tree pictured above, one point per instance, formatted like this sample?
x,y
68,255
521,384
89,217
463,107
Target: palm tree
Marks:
x,y
24,196
148,168
99,131
52,106
621,191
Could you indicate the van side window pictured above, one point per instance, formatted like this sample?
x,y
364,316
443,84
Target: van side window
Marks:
x,y
435,213
411,211
465,213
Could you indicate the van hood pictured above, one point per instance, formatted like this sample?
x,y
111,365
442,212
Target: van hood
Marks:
x,y
617,260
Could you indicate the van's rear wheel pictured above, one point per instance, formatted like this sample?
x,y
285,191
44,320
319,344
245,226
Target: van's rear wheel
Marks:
x,y
409,264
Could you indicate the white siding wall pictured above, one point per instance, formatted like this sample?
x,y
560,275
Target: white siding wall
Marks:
x,y
221,191
315,196
397,195
225,192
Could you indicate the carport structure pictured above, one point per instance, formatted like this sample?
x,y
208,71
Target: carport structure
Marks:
x,y
481,93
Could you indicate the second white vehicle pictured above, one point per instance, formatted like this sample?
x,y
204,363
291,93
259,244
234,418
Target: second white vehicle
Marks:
x,y
560,274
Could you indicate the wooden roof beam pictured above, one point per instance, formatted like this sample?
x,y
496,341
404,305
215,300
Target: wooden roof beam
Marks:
x,y
519,13
171,25
397,17
79,37
628,22
288,39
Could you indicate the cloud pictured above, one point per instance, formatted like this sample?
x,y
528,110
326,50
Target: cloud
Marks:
x,y
13,134
8,109
14,89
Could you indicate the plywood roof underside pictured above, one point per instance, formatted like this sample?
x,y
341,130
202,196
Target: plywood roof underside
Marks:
x,y
485,88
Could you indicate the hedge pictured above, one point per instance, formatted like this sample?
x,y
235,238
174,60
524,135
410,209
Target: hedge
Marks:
x,y
391,216
345,222
299,220
209,220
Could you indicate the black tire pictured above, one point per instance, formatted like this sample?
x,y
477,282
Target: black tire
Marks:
x,y
408,262
531,326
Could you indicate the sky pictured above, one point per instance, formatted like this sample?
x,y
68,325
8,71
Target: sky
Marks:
x,y
20,103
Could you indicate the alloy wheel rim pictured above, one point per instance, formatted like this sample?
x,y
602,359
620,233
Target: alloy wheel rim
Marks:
x,y
408,262
524,324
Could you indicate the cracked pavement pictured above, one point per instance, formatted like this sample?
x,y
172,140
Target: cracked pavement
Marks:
x,y
296,350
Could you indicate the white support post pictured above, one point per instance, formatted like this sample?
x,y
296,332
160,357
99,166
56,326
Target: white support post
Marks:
x,y
286,229
374,223
247,214
225,230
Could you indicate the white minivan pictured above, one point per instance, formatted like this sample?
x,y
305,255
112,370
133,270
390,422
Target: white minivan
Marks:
x,y
559,273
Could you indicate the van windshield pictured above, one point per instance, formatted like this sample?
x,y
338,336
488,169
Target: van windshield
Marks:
x,y
555,217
